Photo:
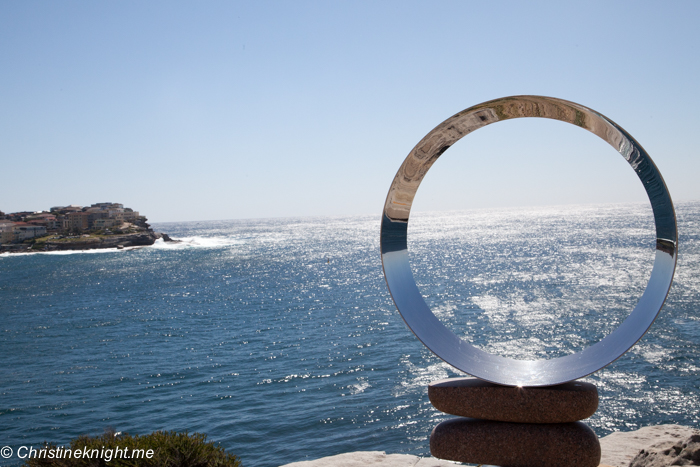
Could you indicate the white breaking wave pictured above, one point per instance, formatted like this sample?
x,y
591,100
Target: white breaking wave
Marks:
x,y
198,242
182,243
72,252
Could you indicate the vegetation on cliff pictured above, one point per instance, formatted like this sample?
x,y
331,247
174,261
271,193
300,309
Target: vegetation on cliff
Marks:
x,y
158,449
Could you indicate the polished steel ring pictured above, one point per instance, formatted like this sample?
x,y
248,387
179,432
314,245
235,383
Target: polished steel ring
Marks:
x,y
459,353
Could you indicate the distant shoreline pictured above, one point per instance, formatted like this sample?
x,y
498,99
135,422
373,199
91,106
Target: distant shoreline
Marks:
x,y
79,243
99,226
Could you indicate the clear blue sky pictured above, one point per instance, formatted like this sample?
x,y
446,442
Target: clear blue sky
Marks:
x,y
221,110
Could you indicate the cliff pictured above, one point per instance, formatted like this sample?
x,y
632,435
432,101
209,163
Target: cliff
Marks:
x,y
94,242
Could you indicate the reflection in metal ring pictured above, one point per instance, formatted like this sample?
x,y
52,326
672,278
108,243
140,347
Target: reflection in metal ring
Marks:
x,y
459,353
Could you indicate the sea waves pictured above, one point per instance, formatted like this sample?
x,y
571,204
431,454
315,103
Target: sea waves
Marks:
x,y
279,339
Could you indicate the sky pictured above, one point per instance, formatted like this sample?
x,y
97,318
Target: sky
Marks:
x,y
212,110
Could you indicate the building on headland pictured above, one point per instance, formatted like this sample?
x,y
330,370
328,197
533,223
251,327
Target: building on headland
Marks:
x,y
76,221
47,220
21,231
107,205
104,223
20,226
7,231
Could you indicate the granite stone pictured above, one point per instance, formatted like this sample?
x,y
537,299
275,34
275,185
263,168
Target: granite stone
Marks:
x,y
686,452
620,448
471,397
515,444
374,459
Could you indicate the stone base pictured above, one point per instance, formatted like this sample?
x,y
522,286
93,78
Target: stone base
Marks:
x,y
474,398
515,444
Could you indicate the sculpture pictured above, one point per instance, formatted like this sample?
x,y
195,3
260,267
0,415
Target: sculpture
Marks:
x,y
526,375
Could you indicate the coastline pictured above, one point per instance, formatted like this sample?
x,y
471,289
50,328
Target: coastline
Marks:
x,y
64,228
117,241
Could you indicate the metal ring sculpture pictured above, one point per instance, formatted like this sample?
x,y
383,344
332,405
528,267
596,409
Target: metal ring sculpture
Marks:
x,y
459,353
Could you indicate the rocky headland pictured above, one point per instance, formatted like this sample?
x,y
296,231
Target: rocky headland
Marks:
x,y
101,225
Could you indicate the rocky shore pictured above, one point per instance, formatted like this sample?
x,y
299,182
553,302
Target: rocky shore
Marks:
x,y
653,446
110,241
91,242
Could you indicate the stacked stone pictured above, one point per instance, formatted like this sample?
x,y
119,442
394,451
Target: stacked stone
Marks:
x,y
515,426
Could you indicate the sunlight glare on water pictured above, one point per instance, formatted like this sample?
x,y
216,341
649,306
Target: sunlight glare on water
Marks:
x,y
533,283
278,338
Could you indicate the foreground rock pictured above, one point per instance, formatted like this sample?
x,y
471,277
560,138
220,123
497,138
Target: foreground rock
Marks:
x,y
686,452
618,450
372,458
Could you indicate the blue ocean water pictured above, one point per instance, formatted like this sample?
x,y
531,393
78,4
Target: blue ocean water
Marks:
x,y
279,339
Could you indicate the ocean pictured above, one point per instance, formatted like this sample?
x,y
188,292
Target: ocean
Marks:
x,y
279,340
